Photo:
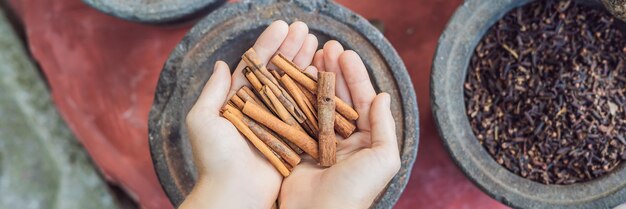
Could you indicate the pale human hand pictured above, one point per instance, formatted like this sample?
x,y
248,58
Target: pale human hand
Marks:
x,y
366,161
231,172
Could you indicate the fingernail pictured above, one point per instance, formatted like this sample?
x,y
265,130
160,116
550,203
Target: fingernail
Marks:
x,y
280,22
387,99
217,64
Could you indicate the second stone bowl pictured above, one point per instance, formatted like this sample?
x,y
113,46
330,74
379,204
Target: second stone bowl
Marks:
x,y
456,47
155,11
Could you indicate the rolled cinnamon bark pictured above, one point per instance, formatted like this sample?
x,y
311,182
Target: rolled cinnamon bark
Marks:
x,y
281,85
282,149
232,109
298,96
257,85
298,137
275,74
278,146
248,96
237,101
281,110
254,81
252,60
289,167
245,92
278,92
326,118
343,126
262,147
310,98
296,73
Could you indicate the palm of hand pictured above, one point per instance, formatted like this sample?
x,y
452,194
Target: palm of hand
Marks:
x,y
228,153
351,180
366,161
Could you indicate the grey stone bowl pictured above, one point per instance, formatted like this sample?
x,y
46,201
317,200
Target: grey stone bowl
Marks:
x,y
616,7
155,11
224,35
456,46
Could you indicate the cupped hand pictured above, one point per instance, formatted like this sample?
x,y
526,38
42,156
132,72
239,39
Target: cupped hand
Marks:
x,y
366,161
231,173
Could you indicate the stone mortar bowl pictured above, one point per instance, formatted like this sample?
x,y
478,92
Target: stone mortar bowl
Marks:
x,y
616,7
226,34
155,11
456,46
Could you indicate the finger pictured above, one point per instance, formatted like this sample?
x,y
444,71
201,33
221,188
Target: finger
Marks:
x,y
307,51
383,126
359,85
311,70
295,38
318,60
332,51
265,46
215,90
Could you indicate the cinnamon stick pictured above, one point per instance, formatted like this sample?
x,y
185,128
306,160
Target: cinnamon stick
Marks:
x,y
256,84
275,74
289,167
247,95
253,61
291,145
262,147
246,92
254,81
296,73
345,109
278,146
282,149
298,137
237,101
281,110
281,87
284,90
232,109
343,126
326,118
310,97
277,90
298,96
267,78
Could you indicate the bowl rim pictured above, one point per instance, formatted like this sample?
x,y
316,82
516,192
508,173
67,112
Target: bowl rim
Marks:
x,y
455,48
161,13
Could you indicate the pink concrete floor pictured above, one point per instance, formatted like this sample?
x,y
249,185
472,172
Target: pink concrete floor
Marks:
x,y
102,72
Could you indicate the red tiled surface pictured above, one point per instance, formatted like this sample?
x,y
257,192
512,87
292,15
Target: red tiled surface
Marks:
x,y
102,72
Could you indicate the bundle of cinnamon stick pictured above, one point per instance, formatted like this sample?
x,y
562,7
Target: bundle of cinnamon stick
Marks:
x,y
285,115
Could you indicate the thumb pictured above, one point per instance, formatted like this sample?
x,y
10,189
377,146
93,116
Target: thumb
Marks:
x,y
215,90
383,127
